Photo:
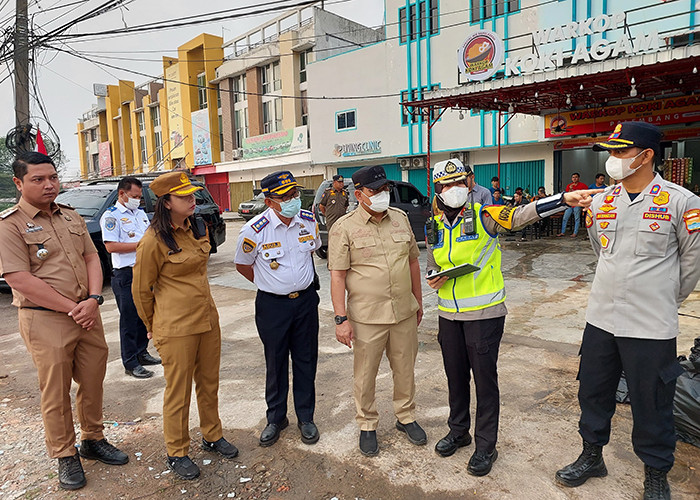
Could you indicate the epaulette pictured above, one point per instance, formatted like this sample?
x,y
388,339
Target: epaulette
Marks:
x,y
259,224
9,211
307,215
112,208
63,205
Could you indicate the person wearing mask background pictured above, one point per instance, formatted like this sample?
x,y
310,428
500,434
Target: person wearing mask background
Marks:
x,y
172,297
471,307
123,226
275,251
373,256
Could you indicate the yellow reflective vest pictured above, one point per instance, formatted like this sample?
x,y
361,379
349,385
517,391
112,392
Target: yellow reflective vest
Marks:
x,y
480,289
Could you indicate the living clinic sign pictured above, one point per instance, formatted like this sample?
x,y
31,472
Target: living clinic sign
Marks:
x,y
662,112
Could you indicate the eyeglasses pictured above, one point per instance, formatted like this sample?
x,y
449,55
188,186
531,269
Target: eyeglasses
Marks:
x,y
292,194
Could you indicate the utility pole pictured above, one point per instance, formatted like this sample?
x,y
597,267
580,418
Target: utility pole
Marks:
x,y
21,65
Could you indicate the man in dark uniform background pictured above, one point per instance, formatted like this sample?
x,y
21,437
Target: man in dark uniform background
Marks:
x,y
49,260
335,201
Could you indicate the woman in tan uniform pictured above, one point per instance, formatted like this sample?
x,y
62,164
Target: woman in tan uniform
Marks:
x,y
172,296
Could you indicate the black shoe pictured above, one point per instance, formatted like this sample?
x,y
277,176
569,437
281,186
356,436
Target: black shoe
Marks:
x,y
655,484
183,467
146,359
70,473
368,443
414,432
139,372
103,451
481,462
448,445
309,432
271,433
588,464
220,446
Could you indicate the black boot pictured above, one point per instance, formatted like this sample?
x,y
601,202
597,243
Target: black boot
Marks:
x,y
655,484
588,464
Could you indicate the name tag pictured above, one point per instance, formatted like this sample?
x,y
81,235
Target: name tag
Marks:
x,y
306,238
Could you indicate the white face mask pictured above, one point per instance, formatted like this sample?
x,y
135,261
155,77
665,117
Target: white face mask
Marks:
x,y
619,168
379,202
455,197
132,203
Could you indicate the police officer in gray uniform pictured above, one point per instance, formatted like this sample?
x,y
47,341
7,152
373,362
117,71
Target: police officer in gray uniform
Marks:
x,y
646,233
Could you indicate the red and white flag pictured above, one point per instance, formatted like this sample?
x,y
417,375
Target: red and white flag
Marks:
x,y
40,147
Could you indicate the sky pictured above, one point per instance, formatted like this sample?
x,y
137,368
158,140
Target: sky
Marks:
x,y
65,82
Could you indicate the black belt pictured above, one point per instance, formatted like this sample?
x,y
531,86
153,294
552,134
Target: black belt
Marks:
x,y
293,295
38,308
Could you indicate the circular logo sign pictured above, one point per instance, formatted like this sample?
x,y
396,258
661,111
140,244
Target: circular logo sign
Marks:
x,y
481,55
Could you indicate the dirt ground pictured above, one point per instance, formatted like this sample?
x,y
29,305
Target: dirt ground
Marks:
x,y
548,282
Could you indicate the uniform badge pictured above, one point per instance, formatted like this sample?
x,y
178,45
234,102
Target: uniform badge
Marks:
x,y
503,216
692,220
609,199
654,226
661,198
607,208
606,216
655,189
604,241
67,217
302,239
110,223
604,225
658,209
395,223
126,220
30,224
274,264
656,216
42,253
131,234
589,218
259,224
305,214
274,244
248,245
617,190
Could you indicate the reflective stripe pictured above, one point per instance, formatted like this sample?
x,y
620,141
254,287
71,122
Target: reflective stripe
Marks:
x,y
470,302
551,205
485,255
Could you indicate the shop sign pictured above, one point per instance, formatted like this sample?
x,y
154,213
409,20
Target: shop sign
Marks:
x,y
676,134
543,59
202,137
480,56
176,121
276,143
104,159
661,112
357,148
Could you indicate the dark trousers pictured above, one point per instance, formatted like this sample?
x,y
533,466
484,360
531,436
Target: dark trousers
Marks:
x,y
651,369
472,346
133,336
289,327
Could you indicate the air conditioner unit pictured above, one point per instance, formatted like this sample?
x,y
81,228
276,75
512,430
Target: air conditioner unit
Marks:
x,y
404,163
238,154
462,156
418,162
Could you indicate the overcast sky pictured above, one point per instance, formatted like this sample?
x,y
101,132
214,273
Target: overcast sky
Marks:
x,y
65,82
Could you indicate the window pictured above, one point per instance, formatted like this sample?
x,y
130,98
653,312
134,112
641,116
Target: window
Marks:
x,y
345,120
434,17
267,116
304,109
202,90
218,98
423,31
276,76
239,88
142,121
414,97
304,60
144,152
486,9
278,115
221,133
408,194
155,116
271,78
158,143
93,134
402,24
404,109
412,22
241,117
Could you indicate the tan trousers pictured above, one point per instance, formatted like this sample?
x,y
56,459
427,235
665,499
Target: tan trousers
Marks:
x,y
401,343
184,359
62,351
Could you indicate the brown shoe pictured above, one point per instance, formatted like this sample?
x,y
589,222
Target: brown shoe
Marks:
x,y
560,235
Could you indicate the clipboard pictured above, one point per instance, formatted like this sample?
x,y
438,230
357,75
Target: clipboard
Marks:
x,y
455,272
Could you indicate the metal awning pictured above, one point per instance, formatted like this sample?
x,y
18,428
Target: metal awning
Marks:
x,y
661,74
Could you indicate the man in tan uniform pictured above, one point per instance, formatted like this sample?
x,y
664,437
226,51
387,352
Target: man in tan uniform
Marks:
x,y
49,260
335,201
373,255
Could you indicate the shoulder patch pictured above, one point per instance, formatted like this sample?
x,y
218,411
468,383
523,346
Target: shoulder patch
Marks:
x,y
305,214
692,220
248,245
502,215
259,224
589,218
9,211
110,223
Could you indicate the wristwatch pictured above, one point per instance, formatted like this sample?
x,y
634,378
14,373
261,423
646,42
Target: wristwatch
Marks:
x,y
339,320
99,298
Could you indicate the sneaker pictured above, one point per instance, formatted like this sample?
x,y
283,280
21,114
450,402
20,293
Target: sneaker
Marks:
x,y
220,446
183,467
70,473
103,451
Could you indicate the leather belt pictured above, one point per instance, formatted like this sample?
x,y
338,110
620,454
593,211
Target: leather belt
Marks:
x,y
293,295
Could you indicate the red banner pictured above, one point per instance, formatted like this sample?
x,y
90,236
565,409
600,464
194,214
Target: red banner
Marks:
x,y
672,111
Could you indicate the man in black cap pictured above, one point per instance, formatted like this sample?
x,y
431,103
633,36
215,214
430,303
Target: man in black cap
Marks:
x,y
373,255
334,202
646,232
275,251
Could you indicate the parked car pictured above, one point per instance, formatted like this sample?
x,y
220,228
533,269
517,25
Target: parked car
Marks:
x,y
256,206
91,199
403,195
